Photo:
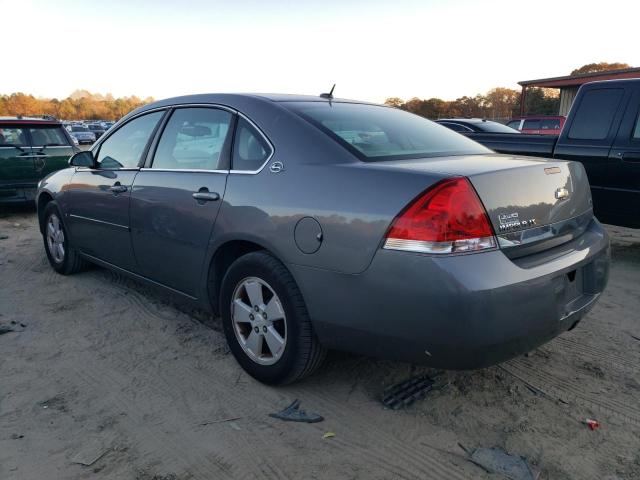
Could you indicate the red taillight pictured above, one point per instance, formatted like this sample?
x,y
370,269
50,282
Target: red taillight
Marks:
x,y
447,218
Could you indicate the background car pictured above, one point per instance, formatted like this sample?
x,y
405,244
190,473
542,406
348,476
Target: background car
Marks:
x,y
82,134
30,149
541,124
97,129
468,125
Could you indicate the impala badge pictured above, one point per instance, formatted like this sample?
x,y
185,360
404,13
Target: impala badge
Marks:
x,y
511,221
562,193
276,167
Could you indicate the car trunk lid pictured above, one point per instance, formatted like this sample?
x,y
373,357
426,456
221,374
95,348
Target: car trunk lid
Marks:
x,y
533,204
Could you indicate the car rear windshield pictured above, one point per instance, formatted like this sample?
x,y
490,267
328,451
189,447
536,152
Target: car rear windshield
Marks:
x,y
376,133
77,128
495,127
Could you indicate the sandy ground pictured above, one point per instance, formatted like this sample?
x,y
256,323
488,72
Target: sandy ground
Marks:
x,y
106,368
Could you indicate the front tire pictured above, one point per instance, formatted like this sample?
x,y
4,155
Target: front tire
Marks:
x,y
266,322
62,258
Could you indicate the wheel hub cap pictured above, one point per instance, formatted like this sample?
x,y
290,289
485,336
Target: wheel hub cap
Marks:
x,y
55,238
259,321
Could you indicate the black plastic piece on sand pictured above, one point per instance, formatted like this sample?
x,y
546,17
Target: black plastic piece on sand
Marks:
x,y
293,414
405,393
496,460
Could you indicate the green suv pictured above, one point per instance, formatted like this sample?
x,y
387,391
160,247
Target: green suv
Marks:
x,y
30,149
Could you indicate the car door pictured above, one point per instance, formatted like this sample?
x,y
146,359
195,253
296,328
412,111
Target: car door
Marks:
x,y
589,135
177,196
623,169
98,197
17,170
51,148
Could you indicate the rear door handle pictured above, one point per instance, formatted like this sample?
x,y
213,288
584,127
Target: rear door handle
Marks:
x,y
118,189
205,196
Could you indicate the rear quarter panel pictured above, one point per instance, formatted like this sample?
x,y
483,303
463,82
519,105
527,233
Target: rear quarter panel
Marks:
x,y
353,201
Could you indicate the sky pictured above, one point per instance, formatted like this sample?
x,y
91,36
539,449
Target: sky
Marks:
x,y
371,49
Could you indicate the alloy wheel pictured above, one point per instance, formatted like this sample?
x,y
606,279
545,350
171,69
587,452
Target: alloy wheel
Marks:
x,y
55,238
259,321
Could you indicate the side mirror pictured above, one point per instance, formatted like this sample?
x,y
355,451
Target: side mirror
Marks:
x,y
83,159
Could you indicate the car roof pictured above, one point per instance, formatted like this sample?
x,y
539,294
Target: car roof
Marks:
x,y
28,121
232,99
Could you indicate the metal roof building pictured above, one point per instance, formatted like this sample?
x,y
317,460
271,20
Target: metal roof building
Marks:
x,y
569,85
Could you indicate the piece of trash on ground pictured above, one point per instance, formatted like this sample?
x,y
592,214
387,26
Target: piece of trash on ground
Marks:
x,y
329,435
293,414
592,424
405,393
496,460
13,326
221,420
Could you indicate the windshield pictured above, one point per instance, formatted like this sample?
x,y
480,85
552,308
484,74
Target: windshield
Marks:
x,y
78,129
495,127
375,133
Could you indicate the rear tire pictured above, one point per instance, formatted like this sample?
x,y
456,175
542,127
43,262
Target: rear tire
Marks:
x,y
271,338
62,257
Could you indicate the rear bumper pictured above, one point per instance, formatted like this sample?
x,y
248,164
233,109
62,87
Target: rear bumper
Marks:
x,y
457,312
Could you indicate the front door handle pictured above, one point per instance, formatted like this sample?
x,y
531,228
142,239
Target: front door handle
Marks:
x,y
205,196
118,188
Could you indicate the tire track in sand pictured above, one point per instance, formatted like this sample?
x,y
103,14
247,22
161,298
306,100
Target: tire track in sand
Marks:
x,y
567,389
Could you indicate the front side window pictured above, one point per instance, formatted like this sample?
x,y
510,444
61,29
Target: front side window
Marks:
x,y
12,137
124,148
250,150
515,124
374,132
48,137
593,119
194,138
532,124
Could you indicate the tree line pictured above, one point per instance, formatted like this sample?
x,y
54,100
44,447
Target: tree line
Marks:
x,y
80,105
498,103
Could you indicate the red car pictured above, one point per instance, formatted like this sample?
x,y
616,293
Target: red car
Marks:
x,y
541,124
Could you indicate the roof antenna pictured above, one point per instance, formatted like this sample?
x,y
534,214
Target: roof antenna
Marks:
x,y
330,94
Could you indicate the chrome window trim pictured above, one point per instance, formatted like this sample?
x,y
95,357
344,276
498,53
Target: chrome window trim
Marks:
x,y
185,170
205,105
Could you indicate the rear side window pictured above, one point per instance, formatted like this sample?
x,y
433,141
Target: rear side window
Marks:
x,y
531,125
514,124
193,139
48,137
594,116
550,124
12,137
124,148
250,149
374,132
